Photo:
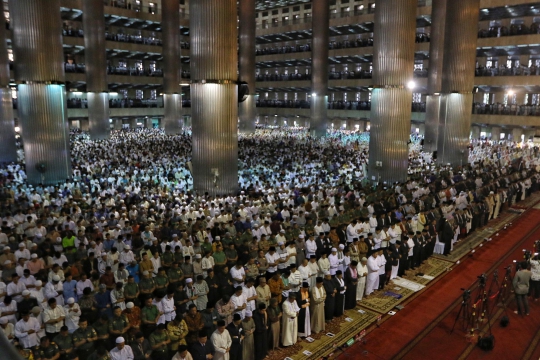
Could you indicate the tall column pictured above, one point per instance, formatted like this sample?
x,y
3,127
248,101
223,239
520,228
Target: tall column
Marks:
x,y
319,67
246,34
393,65
495,133
475,132
516,134
95,55
458,81
436,51
172,91
8,149
214,95
42,106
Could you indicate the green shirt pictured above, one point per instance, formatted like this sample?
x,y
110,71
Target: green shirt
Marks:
x,y
118,323
130,290
47,353
101,328
161,281
175,274
146,284
167,258
156,338
206,247
64,342
219,257
80,334
149,313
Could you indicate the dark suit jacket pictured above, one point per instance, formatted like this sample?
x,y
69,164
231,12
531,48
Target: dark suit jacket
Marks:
x,y
147,349
199,352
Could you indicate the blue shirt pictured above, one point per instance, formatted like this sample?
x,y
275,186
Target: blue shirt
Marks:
x,y
103,299
133,270
70,290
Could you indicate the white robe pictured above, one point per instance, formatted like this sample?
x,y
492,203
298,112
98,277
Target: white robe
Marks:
x,y
334,264
72,317
372,281
289,325
21,332
361,287
221,341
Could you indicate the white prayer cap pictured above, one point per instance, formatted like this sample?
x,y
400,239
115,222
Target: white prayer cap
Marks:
x,y
175,235
189,280
218,238
197,256
33,256
120,340
326,273
56,278
3,320
130,305
341,246
25,293
58,239
282,231
71,300
280,243
38,283
301,236
363,259
22,245
334,249
249,313
127,247
103,253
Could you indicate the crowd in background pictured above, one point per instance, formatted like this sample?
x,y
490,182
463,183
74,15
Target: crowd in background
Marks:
x,y
124,261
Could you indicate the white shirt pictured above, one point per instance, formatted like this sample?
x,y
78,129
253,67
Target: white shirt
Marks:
x,y
237,274
55,313
125,354
21,332
238,301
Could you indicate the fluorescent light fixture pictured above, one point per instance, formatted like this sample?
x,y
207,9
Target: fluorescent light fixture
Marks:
x,y
313,94
411,85
113,93
17,129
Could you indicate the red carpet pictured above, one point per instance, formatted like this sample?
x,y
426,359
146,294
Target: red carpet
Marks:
x,y
421,329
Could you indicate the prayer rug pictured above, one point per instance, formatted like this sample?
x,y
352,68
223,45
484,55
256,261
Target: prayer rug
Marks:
x,y
432,267
383,304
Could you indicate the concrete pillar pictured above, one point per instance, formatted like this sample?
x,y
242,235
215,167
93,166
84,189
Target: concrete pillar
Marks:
x,y
516,134
246,109
172,67
394,44
319,69
95,56
475,132
42,107
118,124
529,134
458,81
495,133
148,124
8,148
214,95
436,51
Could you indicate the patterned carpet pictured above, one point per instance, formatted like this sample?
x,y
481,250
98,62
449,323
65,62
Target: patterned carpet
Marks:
x,y
324,345
431,267
382,301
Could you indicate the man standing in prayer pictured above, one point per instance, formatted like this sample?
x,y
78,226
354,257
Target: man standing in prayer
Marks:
x,y
222,341
330,302
289,328
318,295
372,281
362,275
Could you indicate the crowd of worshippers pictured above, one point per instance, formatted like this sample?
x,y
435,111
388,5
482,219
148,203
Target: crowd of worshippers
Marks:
x,y
122,261
187,277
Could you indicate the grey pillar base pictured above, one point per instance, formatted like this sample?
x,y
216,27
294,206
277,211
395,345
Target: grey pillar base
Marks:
x,y
389,135
117,124
8,149
247,114
98,115
433,108
45,132
172,121
475,132
319,117
215,138
495,133
132,124
454,129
